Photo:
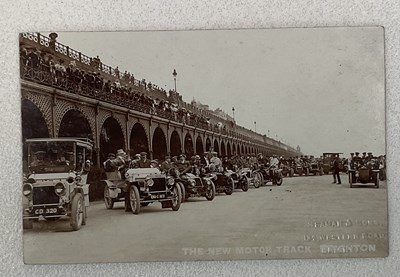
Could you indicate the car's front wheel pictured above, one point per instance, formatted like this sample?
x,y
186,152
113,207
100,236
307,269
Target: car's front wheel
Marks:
x,y
210,192
245,184
183,192
230,185
134,199
176,198
108,201
77,213
377,181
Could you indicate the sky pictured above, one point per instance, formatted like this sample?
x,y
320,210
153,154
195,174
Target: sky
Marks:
x,y
319,88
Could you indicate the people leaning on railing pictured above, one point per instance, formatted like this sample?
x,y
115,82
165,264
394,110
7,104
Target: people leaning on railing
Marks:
x,y
46,69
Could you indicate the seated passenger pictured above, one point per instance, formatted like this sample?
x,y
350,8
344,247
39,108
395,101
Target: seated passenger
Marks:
x,y
143,162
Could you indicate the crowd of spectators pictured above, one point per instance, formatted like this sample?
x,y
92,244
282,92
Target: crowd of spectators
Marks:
x,y
123,87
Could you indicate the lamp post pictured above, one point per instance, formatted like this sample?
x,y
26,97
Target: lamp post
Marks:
x,y
255,126
174,74
233,111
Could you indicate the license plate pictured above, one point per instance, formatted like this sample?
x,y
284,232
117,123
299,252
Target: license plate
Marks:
x,y
158,196
45,211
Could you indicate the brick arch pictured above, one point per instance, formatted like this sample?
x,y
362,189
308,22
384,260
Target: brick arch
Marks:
x,y
104,115
153,129
43,103
62,107
146,131
201,142
132,121
172,148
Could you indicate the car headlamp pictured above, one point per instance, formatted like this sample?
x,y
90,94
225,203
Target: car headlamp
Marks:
x,y
59,189
27,189
150,182
170,181
78,179
70,179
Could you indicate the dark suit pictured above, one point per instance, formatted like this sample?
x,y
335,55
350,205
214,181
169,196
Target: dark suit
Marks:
x,y
143,163
336,170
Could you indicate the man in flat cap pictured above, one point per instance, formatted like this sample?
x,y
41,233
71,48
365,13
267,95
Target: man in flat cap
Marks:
x,y
166,165
143,162
183,165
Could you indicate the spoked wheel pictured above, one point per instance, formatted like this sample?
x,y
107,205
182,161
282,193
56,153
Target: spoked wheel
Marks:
x,y
377,181
245,183
176,198
256,180
108,201
134,199
351,179
210,192
279,180
183,192
230,186
261,177
77,212
84,214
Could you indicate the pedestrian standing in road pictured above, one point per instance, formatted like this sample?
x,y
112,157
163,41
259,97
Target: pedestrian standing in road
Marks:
x,y
335,170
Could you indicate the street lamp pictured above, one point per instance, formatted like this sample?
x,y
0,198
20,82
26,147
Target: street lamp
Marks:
x,y
174,74
255,127
233,111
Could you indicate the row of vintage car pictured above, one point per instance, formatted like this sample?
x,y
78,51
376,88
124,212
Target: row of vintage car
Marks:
x,y
56,185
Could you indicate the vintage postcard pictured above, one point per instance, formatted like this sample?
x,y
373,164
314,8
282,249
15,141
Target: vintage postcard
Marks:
x,y
203,145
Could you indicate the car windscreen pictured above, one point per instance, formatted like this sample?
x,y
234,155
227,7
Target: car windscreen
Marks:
x,y
51,156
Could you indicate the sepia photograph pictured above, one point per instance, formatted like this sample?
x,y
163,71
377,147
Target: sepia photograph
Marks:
x,y
247,144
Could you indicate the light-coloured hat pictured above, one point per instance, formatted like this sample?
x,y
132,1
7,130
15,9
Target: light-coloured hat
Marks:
x,y
121,152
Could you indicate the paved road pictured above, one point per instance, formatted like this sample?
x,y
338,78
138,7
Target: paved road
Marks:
x,y
306,217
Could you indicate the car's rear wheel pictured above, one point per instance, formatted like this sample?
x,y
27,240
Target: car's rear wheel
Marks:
x,y
27,224
77,213
230,186
256,180
245,183
176,198
134,199
210,192
377,181
351,179
279,180
108,201
84,214
261,177
183,192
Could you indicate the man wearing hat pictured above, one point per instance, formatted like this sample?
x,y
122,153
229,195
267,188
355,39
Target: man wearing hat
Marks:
x,y
351,160
274,161
183,165
144,162
364,157
166,165
335,169
357,160
215,160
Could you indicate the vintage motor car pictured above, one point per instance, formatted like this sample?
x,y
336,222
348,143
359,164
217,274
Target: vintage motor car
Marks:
x,y
55,185
327,159
314,168
194,185
223,181
365,174
239,181
271,174
140,187
248,177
